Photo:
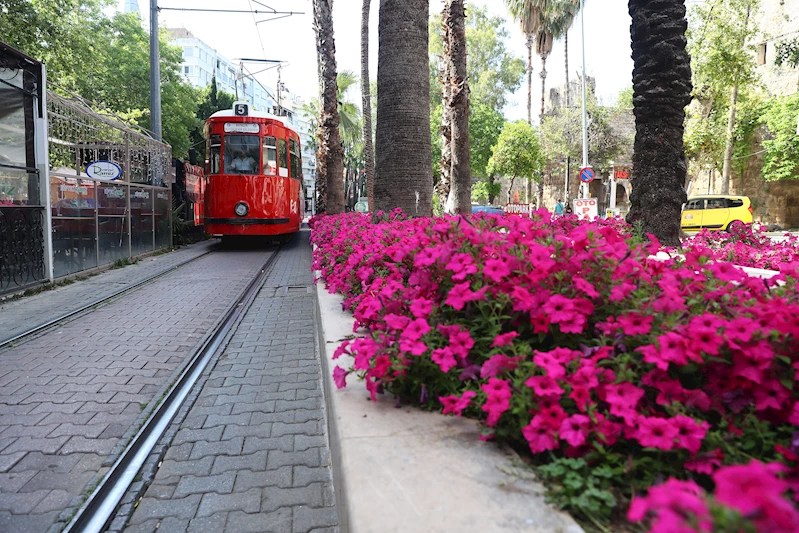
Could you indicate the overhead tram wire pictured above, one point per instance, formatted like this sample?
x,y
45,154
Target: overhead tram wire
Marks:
x,y
257,31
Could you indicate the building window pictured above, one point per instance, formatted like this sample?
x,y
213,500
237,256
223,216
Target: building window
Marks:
x,y
186,70
188,51
761,53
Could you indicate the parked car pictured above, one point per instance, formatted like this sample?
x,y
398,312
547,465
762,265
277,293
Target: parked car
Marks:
x,y
716,212
490,209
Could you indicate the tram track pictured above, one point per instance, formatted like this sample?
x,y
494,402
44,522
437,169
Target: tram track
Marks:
x,y
99,508
75,312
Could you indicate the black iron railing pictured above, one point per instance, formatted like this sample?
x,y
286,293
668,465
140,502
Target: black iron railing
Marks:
x,y
21,247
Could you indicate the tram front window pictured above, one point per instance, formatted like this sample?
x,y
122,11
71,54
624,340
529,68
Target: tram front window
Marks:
x,y
242,154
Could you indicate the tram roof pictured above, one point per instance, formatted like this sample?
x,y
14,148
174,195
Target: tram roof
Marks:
x,y
252,114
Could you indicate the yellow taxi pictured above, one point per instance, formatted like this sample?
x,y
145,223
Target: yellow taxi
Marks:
x,y
716,212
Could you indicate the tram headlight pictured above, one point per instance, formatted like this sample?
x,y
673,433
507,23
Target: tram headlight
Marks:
x,y
241,209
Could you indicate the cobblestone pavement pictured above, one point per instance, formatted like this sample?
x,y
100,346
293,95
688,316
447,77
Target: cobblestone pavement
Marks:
x,y
19,316
252,454
70,398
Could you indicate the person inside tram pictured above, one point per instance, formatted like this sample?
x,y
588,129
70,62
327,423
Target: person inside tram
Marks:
x,y
242,163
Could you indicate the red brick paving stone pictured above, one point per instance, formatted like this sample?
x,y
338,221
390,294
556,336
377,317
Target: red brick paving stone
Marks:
x,y
265,393
61,415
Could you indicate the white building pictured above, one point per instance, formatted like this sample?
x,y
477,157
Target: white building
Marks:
x,y
201,63
777,22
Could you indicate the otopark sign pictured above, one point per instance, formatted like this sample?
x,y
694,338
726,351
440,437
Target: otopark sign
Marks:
x,y
586,208
586,174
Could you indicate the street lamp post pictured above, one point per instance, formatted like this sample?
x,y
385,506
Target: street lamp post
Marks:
x,y
155,73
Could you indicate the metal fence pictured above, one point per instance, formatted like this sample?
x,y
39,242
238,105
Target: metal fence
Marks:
x,y
98,221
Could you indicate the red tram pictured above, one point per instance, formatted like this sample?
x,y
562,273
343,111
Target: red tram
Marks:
x,y
254,173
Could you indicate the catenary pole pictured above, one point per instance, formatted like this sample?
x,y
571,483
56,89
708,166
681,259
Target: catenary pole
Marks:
x,y
584,186
155,73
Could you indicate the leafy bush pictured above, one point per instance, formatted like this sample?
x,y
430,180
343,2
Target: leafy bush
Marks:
x,y
616,371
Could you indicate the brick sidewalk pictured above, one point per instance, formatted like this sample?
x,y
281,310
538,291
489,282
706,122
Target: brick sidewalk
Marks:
x,y
19,316
252,454
70,398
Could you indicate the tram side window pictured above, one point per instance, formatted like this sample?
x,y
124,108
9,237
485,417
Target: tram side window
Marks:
x,y
270,156
296,165
215,146
283,151
241,154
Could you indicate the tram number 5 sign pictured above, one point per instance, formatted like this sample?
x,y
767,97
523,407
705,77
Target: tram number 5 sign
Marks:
x,y
586,174
586,208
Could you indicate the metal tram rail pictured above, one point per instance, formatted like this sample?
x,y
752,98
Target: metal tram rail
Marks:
x,y
75,312
97,511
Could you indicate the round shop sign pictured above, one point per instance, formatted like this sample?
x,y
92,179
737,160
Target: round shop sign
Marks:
x,y
103,170
362,207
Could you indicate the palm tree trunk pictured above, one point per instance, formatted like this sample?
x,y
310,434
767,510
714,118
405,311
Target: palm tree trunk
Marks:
x,y
566,58
330,166
662,89
543,75
403,173
460,194
530,78
445,178
366,104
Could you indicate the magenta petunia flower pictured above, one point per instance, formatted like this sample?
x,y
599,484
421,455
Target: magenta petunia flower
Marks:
x,y
574,429
504,339
544,386
539,435
690,433
635,323
498,399
444,359
654,432
455,405
340,377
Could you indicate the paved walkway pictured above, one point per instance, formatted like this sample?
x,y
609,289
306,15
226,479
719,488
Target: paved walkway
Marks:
x,y
20,315
252,454
70,398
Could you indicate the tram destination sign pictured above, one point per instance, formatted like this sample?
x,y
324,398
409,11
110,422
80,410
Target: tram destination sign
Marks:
x,y
239,127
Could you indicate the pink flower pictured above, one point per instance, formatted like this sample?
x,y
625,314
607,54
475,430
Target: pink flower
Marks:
x,y
539,436
496,270
340,377
443,358
422,307
574,429
497,364
582,285
504,339
559,308
673,504
690,433
426,257
656,432
498,401
544,386
461,342
415,330
455,405
620,292
706,463
396,322
751,488
635,323
461,294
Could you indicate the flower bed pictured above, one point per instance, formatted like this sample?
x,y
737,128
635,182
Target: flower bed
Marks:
x,y
747,247
616,372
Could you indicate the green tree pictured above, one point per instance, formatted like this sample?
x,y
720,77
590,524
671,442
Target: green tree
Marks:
x,y
788,53
723,69
517,154
781,160
210,101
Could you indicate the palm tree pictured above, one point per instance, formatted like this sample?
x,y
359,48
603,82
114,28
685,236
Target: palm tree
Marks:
x,y
661,90
456,88
329,164
528,14
403,173
366,102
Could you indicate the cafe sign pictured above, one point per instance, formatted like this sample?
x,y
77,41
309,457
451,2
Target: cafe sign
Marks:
x,y
103,170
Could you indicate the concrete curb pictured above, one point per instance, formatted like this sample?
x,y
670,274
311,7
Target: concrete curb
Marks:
x,y
403,470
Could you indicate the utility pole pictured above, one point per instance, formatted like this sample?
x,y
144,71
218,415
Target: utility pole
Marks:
x,y
279,92
584,186
155,73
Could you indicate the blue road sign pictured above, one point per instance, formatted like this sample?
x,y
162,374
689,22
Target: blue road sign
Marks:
x,y
586,174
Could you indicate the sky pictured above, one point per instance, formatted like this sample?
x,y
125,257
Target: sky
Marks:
x,y
291,39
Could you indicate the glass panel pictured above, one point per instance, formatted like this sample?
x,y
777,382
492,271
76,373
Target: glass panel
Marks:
x,y
111,199
284,153
74,245
163,235
716,203
215,145
735,203
113,239
241,154
141,220
16,141
270,156
17,187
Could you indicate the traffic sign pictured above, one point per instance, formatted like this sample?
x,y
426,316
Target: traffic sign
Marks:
x,y
586,174
586,208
